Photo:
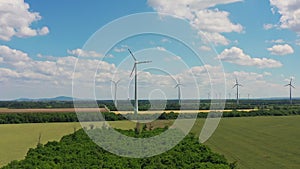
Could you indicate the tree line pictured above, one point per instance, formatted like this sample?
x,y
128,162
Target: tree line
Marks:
x,y
77,150
15,118
146,104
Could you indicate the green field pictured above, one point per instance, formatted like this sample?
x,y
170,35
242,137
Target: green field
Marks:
x,y
258,142
16,139
254,142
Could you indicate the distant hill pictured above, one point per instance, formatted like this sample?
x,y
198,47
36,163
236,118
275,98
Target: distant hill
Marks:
x,y
59,98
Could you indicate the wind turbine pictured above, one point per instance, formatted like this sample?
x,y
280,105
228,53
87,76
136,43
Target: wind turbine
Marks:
x,y
291,86
237,90
179,90
116,88
136,62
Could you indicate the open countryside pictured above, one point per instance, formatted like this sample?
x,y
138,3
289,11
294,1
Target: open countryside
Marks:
x,y
149,84
258,142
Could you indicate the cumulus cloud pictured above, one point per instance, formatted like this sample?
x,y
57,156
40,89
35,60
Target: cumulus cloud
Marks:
x,y
122,48
214,21
57,76
83,53
215,38
19,64
290,13
205,48
209,22
281,50
268,26
237,56
275,41
16,20
43,31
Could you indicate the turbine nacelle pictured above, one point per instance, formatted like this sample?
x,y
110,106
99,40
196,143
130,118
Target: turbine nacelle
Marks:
x,y
136,62
290,84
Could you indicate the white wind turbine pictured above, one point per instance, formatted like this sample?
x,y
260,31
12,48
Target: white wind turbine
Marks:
x,y
237,85
291,86
136,62
116,88
178,84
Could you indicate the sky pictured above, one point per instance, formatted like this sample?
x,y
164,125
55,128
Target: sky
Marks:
x,y
61,48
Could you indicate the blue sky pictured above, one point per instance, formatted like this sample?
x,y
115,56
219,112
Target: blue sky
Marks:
x,y
257,41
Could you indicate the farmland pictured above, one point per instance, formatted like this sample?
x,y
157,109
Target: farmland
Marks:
x,y
258,142
18,138
254,142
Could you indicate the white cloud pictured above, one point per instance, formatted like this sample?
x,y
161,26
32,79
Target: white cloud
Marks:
x,y
119,50
268,26
12,57
205,48
16,19
43,31
83,53
60,71
210,22
290,13
32,76
237,56
267,74
281,50
122,48
165,40
172,58
215,38
4,73
161,48
214,21
275,41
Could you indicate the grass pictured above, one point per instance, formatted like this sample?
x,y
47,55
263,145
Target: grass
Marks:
x,y
258,142
254,142
16,139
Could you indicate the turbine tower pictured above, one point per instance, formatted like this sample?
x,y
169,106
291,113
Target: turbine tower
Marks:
x,y
291,86
178,84
237,91
136,62
116,88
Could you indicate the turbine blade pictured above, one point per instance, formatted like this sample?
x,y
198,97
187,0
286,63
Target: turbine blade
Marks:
x,y
286,85
132,55
293,86
144,62
134,67
234,86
